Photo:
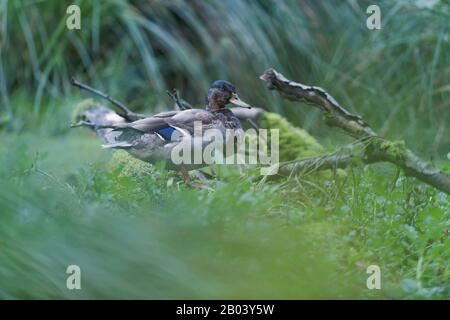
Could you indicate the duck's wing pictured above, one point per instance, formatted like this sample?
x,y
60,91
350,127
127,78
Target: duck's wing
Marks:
x,y
187,118
177,119
166,114
149,124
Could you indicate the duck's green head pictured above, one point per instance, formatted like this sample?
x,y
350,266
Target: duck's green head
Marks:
x,y
221,93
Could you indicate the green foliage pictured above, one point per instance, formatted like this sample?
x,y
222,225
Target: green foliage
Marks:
x,y
136,232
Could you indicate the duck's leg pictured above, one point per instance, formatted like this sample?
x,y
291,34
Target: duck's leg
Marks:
x,y
185,174
188,181
242,169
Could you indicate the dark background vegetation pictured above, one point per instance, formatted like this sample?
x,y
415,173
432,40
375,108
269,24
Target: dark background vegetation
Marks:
x,y
397,78
149,236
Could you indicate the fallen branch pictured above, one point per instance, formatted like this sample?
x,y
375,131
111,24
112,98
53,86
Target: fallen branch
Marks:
x,y
124,110
333,160
376,149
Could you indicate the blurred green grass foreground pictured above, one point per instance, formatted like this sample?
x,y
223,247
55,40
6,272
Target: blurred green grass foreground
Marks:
x,y
135,231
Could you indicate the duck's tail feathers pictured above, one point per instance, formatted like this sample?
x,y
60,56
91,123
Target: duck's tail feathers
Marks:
x,y
117,145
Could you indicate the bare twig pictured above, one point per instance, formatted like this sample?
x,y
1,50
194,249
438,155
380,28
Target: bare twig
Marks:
x,y
182,105
95,126
124,110
377,149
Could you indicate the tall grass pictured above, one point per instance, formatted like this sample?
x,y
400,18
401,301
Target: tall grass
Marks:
x,y
397,78
147,236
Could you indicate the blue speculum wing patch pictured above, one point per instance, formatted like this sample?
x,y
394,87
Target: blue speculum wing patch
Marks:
x,y
166,133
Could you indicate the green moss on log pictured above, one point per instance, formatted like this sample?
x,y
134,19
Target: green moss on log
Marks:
x,y
395,149
132,179
294,142
128,166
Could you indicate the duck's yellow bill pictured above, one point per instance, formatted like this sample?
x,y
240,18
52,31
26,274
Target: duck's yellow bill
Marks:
x,y
238,102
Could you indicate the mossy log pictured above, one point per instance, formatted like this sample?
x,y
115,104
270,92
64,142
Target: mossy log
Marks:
x,y
372,148
295,142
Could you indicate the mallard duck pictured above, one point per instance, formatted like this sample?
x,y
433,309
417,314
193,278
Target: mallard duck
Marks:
x,y
153,138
